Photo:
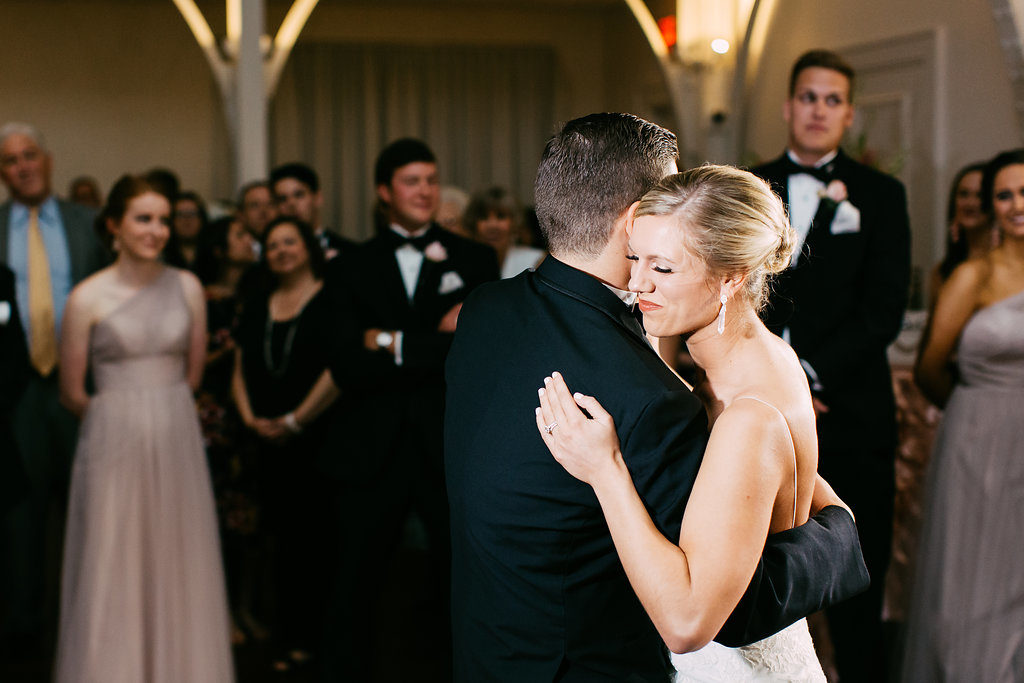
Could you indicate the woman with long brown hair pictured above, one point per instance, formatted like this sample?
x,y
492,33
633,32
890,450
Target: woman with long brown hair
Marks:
x,y
142,596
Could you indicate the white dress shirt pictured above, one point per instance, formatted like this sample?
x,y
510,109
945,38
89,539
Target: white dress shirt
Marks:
x,y
410,259
804,196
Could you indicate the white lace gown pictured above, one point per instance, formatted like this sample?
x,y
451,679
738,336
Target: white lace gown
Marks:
x,y
786,656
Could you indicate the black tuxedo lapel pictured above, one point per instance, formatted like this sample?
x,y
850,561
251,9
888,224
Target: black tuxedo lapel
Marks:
x,y
391,283
820,229
778,172
827,210
582,287
775,173
428,282
821,226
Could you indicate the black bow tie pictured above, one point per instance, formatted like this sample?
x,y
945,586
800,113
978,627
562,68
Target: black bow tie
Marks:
x,y
823,173
637,314
420,242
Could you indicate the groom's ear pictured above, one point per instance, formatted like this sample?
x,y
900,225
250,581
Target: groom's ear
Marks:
x,y
630,216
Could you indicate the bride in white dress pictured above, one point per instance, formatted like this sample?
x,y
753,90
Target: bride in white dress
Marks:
x,y
703,244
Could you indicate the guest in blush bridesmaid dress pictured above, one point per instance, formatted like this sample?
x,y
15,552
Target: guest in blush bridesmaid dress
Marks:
x,y
142,595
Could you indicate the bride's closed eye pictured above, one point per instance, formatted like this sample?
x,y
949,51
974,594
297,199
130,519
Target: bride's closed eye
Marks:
x,y
656,269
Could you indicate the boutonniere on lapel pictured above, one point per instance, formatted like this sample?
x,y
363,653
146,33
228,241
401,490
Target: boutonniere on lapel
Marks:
x,y
834,193
436,252
450,282
845,216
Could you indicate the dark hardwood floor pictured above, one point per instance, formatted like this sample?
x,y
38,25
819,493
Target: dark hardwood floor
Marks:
x,y
403,652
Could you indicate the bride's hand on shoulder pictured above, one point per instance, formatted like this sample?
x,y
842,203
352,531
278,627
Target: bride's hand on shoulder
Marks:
x,y
587,447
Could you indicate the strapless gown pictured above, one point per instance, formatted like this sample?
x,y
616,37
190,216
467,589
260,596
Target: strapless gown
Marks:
x,y
785,656
142,593
967,610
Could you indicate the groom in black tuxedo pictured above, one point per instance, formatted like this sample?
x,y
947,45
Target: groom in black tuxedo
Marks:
x,y
840,305
404,289
538,593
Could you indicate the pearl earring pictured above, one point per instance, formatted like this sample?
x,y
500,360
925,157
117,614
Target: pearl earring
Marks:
x,y
721,316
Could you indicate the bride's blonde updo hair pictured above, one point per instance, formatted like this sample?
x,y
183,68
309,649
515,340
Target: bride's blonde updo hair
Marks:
x,y
733,221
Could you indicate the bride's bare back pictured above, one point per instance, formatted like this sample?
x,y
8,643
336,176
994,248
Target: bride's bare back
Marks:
x,y
767,372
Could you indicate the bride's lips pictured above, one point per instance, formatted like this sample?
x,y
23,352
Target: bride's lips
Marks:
x,y
647,306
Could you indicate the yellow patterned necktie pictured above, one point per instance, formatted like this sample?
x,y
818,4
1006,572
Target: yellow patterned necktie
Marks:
x,y
42,316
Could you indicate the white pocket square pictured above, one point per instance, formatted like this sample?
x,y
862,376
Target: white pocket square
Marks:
x,y
846,220
450,282
5,312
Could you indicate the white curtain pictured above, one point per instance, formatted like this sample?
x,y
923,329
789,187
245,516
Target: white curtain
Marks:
x,y
485,111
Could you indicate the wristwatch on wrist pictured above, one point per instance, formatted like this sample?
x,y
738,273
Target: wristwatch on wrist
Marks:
x,y
385,339
292,424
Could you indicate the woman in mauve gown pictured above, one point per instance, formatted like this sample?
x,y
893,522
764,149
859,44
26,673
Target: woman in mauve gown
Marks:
x,y
142,593
967,611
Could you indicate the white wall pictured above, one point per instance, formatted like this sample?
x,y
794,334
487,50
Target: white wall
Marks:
x,y
979,105
114,87
120,85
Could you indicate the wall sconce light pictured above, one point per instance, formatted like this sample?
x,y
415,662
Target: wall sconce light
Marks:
x,y
706,48
720,46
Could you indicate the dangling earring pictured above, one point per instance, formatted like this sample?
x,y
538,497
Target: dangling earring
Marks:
x,y
721,316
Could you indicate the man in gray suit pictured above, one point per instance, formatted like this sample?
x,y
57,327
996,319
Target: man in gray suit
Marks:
x,y
50,245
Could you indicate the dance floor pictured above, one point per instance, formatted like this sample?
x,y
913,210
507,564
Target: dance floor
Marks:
x,y
404,651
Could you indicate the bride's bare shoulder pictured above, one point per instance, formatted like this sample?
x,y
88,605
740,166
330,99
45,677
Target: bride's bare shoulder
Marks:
x,y
751,433
777,376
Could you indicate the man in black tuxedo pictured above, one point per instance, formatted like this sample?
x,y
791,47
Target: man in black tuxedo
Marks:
x,y
538,593
840,305
405,289
50,245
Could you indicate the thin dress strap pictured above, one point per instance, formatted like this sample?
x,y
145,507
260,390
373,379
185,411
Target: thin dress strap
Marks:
x,y
755,398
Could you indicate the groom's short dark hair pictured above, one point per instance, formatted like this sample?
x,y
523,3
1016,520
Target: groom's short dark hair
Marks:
x,y
591,172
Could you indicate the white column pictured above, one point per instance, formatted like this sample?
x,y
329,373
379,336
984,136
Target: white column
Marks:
x,y
250,99
247,71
